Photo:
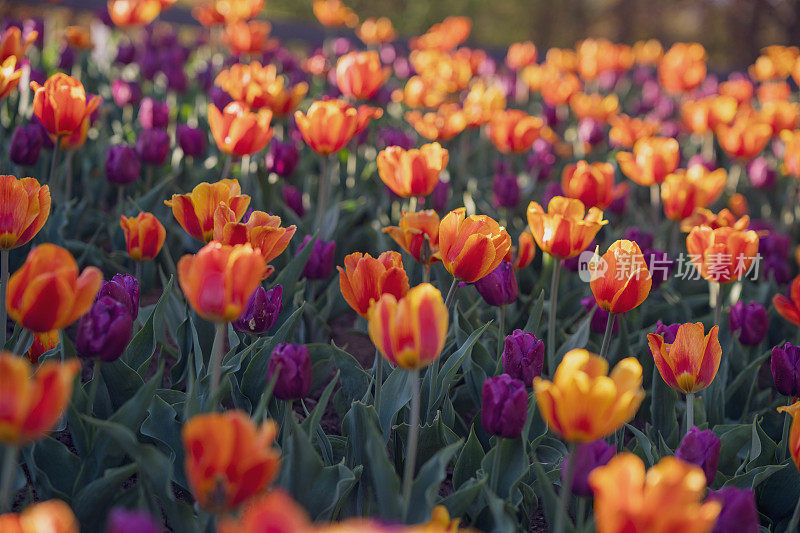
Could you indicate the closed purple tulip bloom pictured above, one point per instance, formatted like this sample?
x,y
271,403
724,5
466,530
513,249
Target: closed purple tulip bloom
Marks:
x,y
551,191
785,366
523,356
122,165
282,158
541,160
66,58
504,406
126,93
751,321
104,332
131,521
153,114
176,79
191,140
395,137
261,311
738,510
152,146
124,288
26,144
643,238
667,331
761,173
320,263
498,287
701,448
294,380
441,195
293,199
586,458
506,189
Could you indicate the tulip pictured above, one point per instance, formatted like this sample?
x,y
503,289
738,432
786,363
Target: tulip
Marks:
x,y
585,458
685,190
121,520
667,331
626,130
745,138
592,184
334,13
418,234
152,146
144,236
293,199
328,125
785,366
364,279
14,43
42,343
582,403
520,55
126,93
682,68
563,231
293,365
260,86
504,407
26,145
359,75
667,498
471,247
104,331
594,106
249,37
274,511
282,158
365,115
51,516
448,121
191,140
789,308
238,131
320,262
153,114
722,255
228,458
195,211
122,165
23,212
701,448
600,317
261,311
123,288
791,153
513,131
412,172
522,255
132,13
375,31
523,356
61,104
262,231
625,281
441,195
506,190
752,320
498,287
651,160
794,435
738,512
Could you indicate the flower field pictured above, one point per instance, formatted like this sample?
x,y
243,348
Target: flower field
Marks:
x,y
391,284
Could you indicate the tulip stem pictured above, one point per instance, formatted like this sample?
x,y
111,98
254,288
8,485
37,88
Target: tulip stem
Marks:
x,y
413,437
378,380
7,477
93,386
451,294
787,422
216,356
54,161
501,329
3,284
715,300
226,167
137,270
551,318
607,336
322,195
495,465
412,204
566,489
426,273
689,411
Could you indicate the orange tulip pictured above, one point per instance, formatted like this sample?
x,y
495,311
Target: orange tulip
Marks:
x,y
208,15
364,279
789,308
144,236
334,13
601,56
360,74
724,219
42,343
275,511
442,125
9,76
328,125
514,131
794,435
745,138
647,53
33,401
780,115
262,231
739,88
412,172
583,402
773,91
228,458
522,255
652,159
260,86
596,106
236,10
11,44
558,89
702,116
219,279
737,203
249,37
592,184
128,13
682,68
520,55
691,362
61,105
625,281
195,211
23,211
722,255
237,130
775,62
482,102
625,130
445,35
47,293
374,31
566,229
471,247
79,38
421,93
409,332
51,516
665,500
791,152
683,191
418,234
364,115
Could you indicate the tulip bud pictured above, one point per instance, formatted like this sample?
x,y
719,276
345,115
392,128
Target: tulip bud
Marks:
x,y
294,379
441,194
523,356
191,140
261,311
590,131
104,331
320,263
293,199
26,145
506,189
504,406
499,287
785,366
738,510
126,93
152,146
668,332
153,114
123,288
751,319
66,58
122,520
761,173
122,165
586,458
282,158
702,449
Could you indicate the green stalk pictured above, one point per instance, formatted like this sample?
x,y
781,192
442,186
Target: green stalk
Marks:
x,y
93,386
607,336
689,411
378,379
216,356
551,319
787,424
451,294
413,437
54,161
322,195
566,489
501,329
496,465
7,477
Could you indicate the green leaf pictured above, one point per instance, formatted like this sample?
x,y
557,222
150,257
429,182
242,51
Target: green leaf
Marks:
x,y
121,380
312,421
395,393
579,339
469,460
547,493
141,348
535,317
162,425
425,488
662,410
755,476
650,452
514,464
355,380
92,503
459,502
448,371
58,463
733,438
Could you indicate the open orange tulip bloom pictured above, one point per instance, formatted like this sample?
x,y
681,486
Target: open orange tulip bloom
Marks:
x,y
195,211
652,159
376,31
794,435
334,13
128,13
416,230
412,172
440,125
520,55
360,74
682,68
626,130
220,278
9,76
364,279
789,308
668,499
11,43
690,363
48,293
32,402
328,125
722,255
705,114
409,332
24,208
745,138
596,106
263,231
261,86
584,402
144,236
566,229
514,131
249,37
61,105
626,280
591,183
239,131
52,516
471,247
791,153
684,191
724,219
522,255
228,458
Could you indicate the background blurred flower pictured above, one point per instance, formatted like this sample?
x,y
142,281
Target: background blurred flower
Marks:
x,y
750,320
293,365
701,448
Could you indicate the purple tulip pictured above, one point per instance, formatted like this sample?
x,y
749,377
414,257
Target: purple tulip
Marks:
x,y
541,160
282,158
620,203
126,54
395,137
131,521
66,58
219,97
778,269
294,380
38,75
643,238
31,25
191,140
785,366
176,79
761,173
441,195
504,406
293,199
523,356
122,165
698,159
667,332
600,317
586,458
126,93
659,264
152,146
123,288
261,311
738,510
104,331
751,321
590,131
701,448
551,191
320,262
506,189
26,144
573,263
153,114
499,287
